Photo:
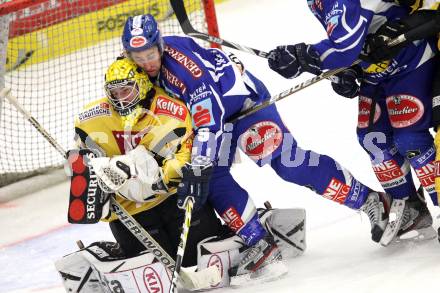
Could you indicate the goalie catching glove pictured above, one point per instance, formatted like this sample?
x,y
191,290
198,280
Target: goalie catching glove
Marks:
x,y
135,175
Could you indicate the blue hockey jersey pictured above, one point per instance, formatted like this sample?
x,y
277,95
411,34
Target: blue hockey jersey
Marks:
x,y
348,22
212,86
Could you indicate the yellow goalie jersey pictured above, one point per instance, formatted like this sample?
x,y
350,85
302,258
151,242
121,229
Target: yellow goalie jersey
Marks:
x,y
164,129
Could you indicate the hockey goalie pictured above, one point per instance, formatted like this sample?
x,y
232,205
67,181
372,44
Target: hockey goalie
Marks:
x,y
134,144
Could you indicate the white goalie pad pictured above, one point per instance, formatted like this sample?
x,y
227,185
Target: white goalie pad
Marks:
x,y
287,226
93,270
223,254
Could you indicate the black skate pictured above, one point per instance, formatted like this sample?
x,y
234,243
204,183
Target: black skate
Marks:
x,y
377,207
261,262
416,223
409,220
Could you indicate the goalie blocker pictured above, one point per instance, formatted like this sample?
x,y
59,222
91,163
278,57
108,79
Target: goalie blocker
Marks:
x,y
102,267
88,203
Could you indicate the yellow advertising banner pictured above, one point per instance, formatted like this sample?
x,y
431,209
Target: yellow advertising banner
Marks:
x,y
82,31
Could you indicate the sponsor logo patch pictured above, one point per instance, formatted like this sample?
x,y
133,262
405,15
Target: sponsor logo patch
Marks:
x,y
102,109
364,112
202,114
404,110
232,219
389,174
261,139
377,67
429,154
215,260
168,107
185,61
332,18
426,175
138,41
336,191
331,24
127,140
200,93
173,80
152,280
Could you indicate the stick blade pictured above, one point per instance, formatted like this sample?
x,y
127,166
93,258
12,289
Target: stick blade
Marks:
x,y
202,279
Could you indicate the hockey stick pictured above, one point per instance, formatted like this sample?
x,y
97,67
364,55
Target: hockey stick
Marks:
x,y
6,93
183,237
182,17
414,34
286,93
191,280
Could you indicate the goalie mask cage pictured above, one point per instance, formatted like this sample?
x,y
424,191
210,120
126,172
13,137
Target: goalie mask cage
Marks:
x,y
53,55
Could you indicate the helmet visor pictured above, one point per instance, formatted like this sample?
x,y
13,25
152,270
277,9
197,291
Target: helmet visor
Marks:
x,y
123,95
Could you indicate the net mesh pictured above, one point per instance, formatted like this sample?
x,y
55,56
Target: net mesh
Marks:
x,y
56,57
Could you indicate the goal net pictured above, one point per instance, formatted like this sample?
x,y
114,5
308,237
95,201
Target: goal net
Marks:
x,y
53,55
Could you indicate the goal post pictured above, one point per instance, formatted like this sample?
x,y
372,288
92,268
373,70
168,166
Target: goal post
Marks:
x,y
53,56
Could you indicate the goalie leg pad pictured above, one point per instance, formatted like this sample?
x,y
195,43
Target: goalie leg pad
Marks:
x,y
288,226
222,253
97,269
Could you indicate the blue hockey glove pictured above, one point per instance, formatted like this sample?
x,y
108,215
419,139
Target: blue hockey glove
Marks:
x,y
292,60
195,183
346,84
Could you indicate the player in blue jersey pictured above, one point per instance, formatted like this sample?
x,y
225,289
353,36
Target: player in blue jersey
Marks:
x,y
394,98
424,22
215,88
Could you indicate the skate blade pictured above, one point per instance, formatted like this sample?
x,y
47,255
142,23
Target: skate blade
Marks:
x,y
268,273
419,235
394,222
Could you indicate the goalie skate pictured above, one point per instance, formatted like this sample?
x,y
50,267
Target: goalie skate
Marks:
x,y
261,263
271,272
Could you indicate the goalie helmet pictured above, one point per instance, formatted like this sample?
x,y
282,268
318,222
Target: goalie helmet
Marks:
x,y
141,32
126,85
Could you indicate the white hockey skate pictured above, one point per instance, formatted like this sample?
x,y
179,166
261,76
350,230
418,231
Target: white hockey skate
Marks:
x,y
409,220
377,207
261,263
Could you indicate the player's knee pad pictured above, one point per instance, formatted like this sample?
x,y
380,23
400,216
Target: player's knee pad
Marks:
x,y
286,225
102,267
